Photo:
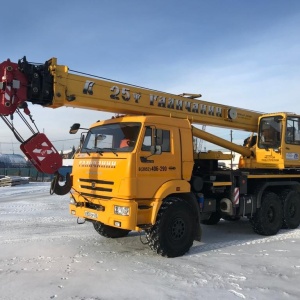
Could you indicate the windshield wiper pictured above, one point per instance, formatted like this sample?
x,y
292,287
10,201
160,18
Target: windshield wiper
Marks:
x,y
99,150
113,150
93,150
87,150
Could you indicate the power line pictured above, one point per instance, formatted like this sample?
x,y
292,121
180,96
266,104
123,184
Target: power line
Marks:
x,y
52,141
65,140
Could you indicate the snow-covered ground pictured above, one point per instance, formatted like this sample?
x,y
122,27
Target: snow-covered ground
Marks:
x,y
44,254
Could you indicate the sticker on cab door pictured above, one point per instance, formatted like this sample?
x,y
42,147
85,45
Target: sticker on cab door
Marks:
x,y
292,156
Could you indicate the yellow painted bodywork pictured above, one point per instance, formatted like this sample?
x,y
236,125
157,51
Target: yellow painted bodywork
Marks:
x,y
216,155
125,180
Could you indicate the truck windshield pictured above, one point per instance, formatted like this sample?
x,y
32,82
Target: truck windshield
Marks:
x,y
270,132
117,137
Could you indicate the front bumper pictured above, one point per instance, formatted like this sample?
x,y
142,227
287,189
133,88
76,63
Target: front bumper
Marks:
x,y
104,212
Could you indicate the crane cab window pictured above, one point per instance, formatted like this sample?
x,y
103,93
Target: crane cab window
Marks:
x,y
269,132
292,135
162,139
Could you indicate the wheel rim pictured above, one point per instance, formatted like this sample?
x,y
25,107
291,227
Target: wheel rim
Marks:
x,y
177,229
271,214
292,210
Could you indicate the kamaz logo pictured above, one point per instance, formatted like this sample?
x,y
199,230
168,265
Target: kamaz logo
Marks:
x,y
93,184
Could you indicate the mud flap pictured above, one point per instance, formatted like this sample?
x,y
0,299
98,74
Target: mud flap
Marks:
x,y
198,234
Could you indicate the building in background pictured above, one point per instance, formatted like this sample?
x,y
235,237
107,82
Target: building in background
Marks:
x,y
230,164
13,161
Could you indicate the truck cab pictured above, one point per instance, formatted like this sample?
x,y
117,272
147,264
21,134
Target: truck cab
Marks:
x,y
278,143
126,167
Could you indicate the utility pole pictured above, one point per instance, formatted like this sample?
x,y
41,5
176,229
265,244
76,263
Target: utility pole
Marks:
x,y
231,150
12,146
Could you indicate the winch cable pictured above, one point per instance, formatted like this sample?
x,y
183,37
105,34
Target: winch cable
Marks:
x,y
27,123
10,125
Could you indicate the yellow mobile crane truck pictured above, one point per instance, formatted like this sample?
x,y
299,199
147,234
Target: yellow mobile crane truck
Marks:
x,y
139,171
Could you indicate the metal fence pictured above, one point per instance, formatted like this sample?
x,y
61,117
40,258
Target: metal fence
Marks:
x,y
32,173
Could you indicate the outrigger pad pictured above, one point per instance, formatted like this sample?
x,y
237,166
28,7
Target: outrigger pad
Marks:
x,y
42,154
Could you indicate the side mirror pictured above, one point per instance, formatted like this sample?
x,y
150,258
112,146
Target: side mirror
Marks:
x,y
155,150
74,128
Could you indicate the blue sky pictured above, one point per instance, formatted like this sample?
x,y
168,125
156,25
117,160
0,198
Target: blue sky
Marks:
x,y
235,52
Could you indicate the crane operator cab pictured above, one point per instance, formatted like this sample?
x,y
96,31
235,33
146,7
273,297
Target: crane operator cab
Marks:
x,y
278,143
270,133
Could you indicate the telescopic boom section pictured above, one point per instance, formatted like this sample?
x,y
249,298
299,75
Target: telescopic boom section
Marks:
x,y
201,134
94,93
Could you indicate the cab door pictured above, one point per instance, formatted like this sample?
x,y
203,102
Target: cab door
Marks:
x,y
269,144
158,159
291,148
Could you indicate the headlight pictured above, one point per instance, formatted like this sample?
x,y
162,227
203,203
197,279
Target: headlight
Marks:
x,y
121,210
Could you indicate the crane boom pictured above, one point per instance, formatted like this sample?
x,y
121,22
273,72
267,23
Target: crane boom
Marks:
x,y
221,142
54,86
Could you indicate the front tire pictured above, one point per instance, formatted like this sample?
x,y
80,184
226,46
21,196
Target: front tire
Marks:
x,y
173,233
268,218
109,231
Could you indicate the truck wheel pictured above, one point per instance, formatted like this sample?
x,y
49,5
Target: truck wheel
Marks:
x,y
213,219
109,231
291,209
268,218
173,233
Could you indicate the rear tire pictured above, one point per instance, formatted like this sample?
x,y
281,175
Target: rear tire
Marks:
x,y
109,231
268,218
173,233
291,209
